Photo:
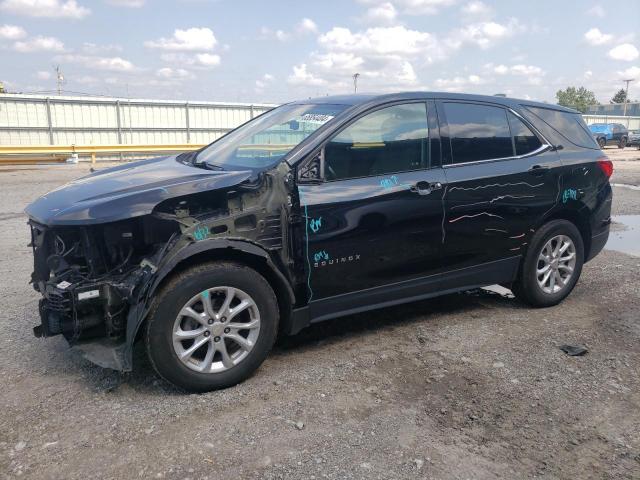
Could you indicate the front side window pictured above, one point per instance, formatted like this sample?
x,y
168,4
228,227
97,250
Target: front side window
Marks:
x,y
389,140
265,140
524,139
477,132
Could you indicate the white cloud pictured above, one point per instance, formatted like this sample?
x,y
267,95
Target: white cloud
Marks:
x,y
307,25
301,76
424,7
631,72
383,13
261,83
596,11
385,56
85,80
533,73
414,7
458,83
173,73
207,59
39,44
198,60
43,75
342,63
94,49
483,34
45,8
127,3
397,40
526,70
476,9
499,69
190,40
12,32
280,35
112,64
587,75
626,52
595,37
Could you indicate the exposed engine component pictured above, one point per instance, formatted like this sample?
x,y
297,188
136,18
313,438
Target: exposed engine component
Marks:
x,y
87,275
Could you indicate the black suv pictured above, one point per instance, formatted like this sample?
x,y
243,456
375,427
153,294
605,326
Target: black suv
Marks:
x,y
314,210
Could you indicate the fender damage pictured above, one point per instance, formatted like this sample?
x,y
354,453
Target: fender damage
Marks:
x,y
103,244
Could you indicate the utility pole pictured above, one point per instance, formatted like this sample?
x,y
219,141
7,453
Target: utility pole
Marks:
x,y
59,79
626,96
355,82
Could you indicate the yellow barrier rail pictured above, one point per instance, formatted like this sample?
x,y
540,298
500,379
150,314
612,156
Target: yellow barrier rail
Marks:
x,y
20,154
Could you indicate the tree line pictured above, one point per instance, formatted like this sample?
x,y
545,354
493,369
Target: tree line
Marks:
x,y
580,98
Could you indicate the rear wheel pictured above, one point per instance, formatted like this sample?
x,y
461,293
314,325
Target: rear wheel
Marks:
x,y
212,326
602,142
552,265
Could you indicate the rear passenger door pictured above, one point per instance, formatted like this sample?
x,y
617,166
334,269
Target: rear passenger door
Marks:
x,y
500,176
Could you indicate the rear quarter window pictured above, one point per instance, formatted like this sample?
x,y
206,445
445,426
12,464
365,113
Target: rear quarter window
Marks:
x,y
569,125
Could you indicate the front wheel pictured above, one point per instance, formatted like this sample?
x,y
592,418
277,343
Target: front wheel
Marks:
x,y
552,265
623,143
212,326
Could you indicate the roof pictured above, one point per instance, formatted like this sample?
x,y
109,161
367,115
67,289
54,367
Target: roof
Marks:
x,y
362,98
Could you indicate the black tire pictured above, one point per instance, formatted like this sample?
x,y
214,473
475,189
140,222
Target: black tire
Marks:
x,y
527,288
177,292
602,142
622,143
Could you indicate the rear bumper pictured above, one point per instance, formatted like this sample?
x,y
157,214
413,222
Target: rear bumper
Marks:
x,y
597,244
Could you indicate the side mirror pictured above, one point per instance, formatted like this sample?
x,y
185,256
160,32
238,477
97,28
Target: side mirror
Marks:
x,y
311,170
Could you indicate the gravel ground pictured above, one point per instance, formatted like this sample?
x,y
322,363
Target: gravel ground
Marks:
x,y
467,386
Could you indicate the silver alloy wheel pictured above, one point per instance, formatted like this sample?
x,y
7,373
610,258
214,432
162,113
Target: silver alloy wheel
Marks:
x,y
216,329
556,263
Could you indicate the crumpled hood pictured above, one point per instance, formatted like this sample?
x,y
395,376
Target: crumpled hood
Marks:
x,y
127,191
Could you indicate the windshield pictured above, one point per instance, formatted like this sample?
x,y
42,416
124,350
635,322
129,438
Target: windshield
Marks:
x,y
263,141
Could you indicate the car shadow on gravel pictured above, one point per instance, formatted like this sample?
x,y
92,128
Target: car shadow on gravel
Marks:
x,y
145,381
432,310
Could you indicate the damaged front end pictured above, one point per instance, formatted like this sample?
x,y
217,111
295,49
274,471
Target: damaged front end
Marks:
x,y
92,277
97,265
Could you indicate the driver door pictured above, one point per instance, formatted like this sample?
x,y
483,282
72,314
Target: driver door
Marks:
x,y
373,224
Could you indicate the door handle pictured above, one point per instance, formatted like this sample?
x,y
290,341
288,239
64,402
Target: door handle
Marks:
x,y
539,169
425,188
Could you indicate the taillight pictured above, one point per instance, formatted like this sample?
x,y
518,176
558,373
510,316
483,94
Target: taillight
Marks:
x,y
606,166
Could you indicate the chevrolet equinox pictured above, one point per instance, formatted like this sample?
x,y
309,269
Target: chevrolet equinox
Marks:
x,y
314,210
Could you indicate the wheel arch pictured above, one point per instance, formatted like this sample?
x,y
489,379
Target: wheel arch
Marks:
x,y
580,220
239,251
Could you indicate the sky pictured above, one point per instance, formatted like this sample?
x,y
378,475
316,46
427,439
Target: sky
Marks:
x,y
278,50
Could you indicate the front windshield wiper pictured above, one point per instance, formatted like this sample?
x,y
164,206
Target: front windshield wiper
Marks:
x,y
190,158
211,166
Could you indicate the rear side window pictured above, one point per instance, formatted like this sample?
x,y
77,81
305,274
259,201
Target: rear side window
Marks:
x,y
570,125
477,132
524,139
390,140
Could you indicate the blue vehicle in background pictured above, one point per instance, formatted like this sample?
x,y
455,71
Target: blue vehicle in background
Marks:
x,y
610,134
